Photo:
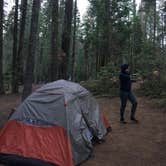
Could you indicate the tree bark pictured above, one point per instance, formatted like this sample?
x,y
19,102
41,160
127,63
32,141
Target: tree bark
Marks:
x,y
86,55
154,26
97,50
1,48
14,63
29,71
21,41
133,36
54,41
107,32
66,35
74,42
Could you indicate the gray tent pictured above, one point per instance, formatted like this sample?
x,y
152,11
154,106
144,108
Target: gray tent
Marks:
x,y
64,104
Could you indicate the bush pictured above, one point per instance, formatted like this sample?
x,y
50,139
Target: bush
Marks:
x,y
107,83
154,86
104,87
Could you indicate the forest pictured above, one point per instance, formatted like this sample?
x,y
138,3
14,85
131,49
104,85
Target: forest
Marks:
x,y
43,41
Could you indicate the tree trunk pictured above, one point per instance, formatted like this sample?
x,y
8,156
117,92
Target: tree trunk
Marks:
x,y
66,36
54,41
104,22
154,26
1,48
163,46
21,41
86,55
14,63
97,49
108,31
29,71
134,8
133,52
74,42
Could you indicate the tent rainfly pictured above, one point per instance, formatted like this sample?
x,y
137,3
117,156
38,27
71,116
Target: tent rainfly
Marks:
x,y
54,126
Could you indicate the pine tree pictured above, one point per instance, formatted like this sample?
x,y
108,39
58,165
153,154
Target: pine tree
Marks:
x,y
1,48
29,71
21,41
74,42
66,36
14,63
54,41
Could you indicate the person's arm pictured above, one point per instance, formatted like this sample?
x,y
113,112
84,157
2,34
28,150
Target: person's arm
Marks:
x,y
124,76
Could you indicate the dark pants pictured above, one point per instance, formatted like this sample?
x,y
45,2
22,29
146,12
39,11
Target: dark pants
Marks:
x,y
124,96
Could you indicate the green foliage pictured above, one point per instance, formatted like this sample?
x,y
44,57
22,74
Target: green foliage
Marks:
x,y
80,70
104,87
154,86
108,71
7,78
159,103
110,32
107,83
106,34
44,39
7,48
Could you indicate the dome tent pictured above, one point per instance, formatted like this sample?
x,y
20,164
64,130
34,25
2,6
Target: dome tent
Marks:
x,y
53,126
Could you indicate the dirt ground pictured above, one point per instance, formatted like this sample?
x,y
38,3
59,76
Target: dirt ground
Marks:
x,y
142,144
130,144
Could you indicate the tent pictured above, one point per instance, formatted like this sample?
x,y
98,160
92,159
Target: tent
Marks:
x,y
54,126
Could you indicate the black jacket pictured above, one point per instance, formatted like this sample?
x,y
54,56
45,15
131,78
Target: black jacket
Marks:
x,y
125,80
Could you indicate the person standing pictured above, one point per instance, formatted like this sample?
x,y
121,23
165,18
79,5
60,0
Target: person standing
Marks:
x,y
126,94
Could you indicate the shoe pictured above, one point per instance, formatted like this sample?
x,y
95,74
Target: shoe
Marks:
x,y
100,141
109,129
134,120
123,121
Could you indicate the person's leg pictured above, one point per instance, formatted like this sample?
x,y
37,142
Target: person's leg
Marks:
x,y
133,100
123,97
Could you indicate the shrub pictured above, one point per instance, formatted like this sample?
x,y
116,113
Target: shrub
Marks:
x,y
154,86
107,83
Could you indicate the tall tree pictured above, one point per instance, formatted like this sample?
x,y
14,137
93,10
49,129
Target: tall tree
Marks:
x,y
43,50
54,41
1,48
29,71
87,60
154,25
149,6
66,36
132,39
150,21
14,62
107,31
21,41
163,33
74,41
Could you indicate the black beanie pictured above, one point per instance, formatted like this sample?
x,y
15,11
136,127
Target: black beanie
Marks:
x,y
124,67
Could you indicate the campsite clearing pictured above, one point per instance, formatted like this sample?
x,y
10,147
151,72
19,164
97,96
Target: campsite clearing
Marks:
x,y
142,144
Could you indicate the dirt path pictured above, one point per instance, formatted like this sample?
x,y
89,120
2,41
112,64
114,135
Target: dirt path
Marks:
x,y
6,104
142,144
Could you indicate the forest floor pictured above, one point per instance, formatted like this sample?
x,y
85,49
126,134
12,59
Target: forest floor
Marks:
x,y
142,144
